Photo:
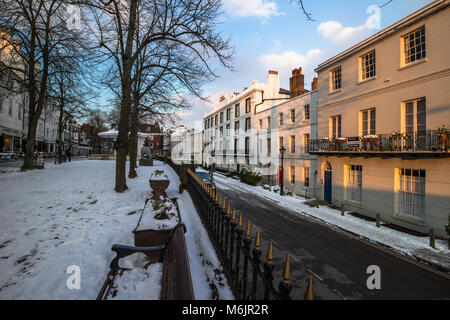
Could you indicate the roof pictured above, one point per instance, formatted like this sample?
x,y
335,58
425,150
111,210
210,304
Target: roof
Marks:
x,y
284,91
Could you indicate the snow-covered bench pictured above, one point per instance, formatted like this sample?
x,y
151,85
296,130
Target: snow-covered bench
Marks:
x,y
176,277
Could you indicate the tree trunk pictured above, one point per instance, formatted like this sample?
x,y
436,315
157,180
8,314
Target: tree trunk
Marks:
x,y
133,143
122,138
30,146
60,135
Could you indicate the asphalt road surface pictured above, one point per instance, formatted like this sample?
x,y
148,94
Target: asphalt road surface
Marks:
x,y
337,260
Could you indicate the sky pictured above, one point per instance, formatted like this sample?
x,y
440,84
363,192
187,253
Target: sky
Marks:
x,y
276,35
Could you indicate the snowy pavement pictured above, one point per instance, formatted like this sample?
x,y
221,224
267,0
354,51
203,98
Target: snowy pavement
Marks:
x,y
68,215
407,244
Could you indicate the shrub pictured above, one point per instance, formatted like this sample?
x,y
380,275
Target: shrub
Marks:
x,y
249,175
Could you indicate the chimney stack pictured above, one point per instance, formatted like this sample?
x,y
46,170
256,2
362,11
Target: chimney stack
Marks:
x,y
315,84
297,83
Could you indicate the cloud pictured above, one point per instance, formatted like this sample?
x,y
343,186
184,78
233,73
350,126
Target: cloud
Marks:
x,y
286,61
335,32
251,8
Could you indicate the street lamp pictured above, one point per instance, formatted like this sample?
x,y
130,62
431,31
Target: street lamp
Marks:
x,y
282,151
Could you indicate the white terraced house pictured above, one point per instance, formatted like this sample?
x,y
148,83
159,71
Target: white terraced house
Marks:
x,y
383,119
229,130
251,127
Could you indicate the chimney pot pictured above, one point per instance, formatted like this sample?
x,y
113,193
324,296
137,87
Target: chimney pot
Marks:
x,y
297,83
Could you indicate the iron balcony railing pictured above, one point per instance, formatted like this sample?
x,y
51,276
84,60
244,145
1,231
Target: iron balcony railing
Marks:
x,y
421,141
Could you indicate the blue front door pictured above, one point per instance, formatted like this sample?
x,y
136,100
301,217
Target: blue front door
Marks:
x,y
327,188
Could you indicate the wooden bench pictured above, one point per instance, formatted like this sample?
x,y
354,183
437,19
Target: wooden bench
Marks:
x,y
176,278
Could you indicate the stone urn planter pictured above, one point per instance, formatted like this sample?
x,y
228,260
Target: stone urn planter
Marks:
x,y
159,182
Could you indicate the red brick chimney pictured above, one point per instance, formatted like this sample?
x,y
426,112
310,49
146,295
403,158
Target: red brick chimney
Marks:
x,y
315,84
297,83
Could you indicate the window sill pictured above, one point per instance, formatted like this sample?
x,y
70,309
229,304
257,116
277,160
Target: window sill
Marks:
x,y
353,202
411,64
366,80
410,219
335,91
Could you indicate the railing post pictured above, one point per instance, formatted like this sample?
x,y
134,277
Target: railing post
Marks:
x,y
239,233
227,232
232,236
285,287
256,253
247,242
268,271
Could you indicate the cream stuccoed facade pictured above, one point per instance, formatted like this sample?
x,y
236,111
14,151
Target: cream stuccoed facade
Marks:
x,y
383,114
229,134
290,124
287,119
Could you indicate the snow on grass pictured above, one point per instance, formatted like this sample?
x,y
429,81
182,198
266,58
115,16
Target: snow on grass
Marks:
x,y
405,243
69,214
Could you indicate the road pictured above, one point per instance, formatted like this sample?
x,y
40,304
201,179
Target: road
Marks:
x,y
336,259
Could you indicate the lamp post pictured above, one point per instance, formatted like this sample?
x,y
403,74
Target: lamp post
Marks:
x,y
282,151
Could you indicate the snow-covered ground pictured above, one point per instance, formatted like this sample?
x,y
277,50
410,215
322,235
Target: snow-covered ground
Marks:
x,y
410,245
69,214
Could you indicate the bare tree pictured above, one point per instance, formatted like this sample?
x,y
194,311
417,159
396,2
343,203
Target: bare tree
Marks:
x,y
34,37
70,91
96,123
186,29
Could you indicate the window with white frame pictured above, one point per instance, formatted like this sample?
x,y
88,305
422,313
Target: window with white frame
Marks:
x,y
306,140
368,122
415,116
236,110
247,124
280,142
306,176
292,116
248,106
280,118
306,112
10,108
336,79
269,146
292,173
411,193
228,129
335,127
268,123
292,144
414,46
228,114
221,117
260,124
236,127
367,66
354,183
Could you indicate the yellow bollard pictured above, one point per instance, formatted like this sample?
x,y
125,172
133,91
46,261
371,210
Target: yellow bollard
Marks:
x,y
378,220
342,210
